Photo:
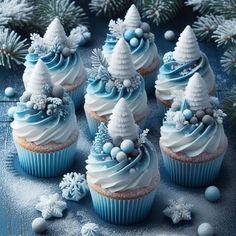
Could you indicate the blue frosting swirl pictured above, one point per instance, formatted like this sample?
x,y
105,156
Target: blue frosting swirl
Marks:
x,y
65,71
173,76
103,102
142,56
37,127
125,175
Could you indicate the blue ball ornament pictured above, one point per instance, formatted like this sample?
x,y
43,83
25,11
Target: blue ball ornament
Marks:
x,y
127,146
11,112
134,42
212,193
139,32
121,156
187,114
169,35
107,147
9,92
129,34
205,229
114,151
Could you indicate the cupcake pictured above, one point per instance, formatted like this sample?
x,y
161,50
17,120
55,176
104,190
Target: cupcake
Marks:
x,y
61,55
141,42
193,142
122,169
45,128
108,83
179,66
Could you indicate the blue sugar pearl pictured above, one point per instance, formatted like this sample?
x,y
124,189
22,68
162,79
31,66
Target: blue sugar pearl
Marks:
x,y
127,146
138,32
129,34
114,151
187,114
11,112
205,229
169,35
9,92
107,147
212,193
121,156
134,42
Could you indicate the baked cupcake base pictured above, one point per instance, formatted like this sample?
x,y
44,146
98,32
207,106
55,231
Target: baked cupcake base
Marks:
x,y
94,120
124,208
149,75
193,172
46,161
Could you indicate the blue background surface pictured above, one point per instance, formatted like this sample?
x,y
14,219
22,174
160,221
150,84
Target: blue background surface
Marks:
x,y
20,192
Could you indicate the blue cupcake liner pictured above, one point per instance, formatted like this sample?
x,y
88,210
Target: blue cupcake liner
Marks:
x,y
122,212
46,164
150,81
77,95
192,174
93,124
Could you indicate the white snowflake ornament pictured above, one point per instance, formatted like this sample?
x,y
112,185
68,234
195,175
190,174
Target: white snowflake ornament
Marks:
x,y
51,206
178,211
74,186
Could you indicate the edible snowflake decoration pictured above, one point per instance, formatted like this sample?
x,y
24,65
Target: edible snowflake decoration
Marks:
x,y
90,229
178,211
38,46
169,116
74,186
179,119
214,101
143,137
51,206
219,115
117,28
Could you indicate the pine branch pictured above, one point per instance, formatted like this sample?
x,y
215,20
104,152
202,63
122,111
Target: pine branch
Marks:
x,y
159,11
227,8
108,7
15,12
229,105
206,25
12,49
225,34
70,14
203,6
228,61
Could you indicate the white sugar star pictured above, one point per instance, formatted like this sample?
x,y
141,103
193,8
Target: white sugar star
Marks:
x,y
177,211
50,206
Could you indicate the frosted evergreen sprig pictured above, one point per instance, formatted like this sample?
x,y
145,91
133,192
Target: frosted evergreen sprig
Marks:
x,y
228,61
15,12
70,14
229,105
225,34
159,11
203,6
206,25
12,48
108,7
227,8
98,60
